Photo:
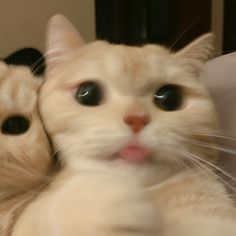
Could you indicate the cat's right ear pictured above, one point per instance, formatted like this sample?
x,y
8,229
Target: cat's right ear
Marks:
x,y
61,39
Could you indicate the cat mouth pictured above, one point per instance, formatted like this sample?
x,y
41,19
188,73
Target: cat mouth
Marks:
x,y
134,153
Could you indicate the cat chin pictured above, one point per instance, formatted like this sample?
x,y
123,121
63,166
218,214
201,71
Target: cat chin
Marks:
x,y
148,173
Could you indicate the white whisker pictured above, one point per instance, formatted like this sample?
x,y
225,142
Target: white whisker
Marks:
x,y
228,137
212,146
201,167
36,63
210,164
197,160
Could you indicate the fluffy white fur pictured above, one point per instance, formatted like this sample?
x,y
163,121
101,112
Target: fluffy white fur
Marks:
x,y
25,158
98,193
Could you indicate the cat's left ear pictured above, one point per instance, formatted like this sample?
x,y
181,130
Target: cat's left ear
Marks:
x,y
61,38
197,52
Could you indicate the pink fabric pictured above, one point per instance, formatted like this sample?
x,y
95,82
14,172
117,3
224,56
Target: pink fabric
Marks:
x,y
220,78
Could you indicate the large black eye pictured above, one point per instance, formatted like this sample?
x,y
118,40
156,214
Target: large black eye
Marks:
x,y
15,125
169,97
89,94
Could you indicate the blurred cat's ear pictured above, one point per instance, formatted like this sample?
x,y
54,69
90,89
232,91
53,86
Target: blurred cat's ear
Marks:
x,y
195,54
200,49
61,38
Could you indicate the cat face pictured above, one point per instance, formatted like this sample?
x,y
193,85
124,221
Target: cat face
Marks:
x,y
25,150
142,106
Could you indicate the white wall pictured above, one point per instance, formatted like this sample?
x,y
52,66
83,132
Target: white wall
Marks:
x,y
23,22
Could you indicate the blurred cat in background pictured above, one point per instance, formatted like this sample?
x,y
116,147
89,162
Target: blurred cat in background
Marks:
x,y
132,125
25,157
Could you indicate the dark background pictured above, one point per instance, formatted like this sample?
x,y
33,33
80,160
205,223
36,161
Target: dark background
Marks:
x,y
229,33
173,23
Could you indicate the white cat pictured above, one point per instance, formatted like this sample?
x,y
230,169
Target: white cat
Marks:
x,y
128,123
25,161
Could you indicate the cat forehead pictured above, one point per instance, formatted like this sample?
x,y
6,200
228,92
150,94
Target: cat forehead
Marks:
x,y
101,60
122,55
18,89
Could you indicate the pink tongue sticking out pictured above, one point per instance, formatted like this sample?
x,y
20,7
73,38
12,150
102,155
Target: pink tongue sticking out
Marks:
x,y
134,153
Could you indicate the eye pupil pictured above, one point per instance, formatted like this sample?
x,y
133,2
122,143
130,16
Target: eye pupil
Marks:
x,y
169,97
89,94
15,125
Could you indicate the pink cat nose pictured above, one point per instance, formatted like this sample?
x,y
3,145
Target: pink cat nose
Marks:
x,y
137,122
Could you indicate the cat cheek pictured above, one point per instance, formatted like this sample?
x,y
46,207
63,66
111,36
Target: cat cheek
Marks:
x,y
159,139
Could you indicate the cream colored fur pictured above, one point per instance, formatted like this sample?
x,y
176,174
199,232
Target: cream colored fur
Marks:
x,y
98,194
24,158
